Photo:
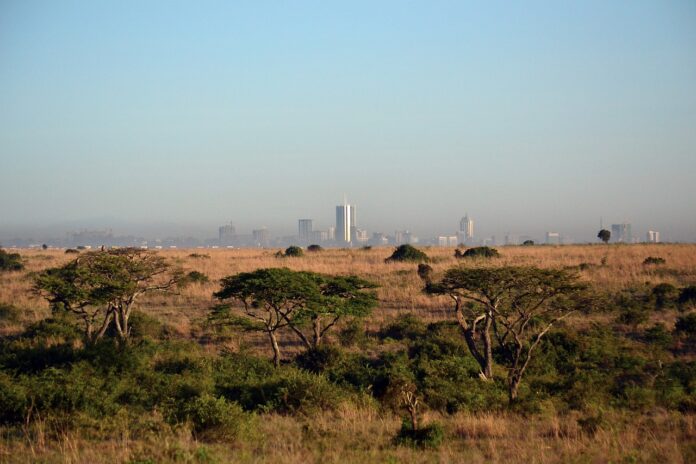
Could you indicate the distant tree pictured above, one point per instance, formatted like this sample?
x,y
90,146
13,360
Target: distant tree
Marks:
x,y
604,235
10,261
314,248
101,287
408,253
528,243
478,252
294,251
72,251
280,298
44,247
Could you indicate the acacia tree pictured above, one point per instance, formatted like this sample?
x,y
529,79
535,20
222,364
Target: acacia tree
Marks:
x,y
518,304
335,297
101,287
476,293
604,235
271,297
536,300
279,297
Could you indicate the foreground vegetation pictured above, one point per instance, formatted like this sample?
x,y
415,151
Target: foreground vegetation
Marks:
x,y
609,371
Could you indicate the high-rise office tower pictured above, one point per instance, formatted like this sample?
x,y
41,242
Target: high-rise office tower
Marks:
x,y
466,226
227,234
653,236
622,232
345,222
305,230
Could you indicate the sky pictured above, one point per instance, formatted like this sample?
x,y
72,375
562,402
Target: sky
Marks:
x,y
530,116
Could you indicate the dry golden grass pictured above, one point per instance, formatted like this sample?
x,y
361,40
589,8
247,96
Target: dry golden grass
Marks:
x,y
356,435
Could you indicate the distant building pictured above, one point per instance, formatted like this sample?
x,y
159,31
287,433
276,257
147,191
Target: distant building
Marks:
x,y
345,222
447,241
621,233
466,228
403,237
512,239
378,238
553,238
331,234
305,230
227,235
261,237
361,236
653,236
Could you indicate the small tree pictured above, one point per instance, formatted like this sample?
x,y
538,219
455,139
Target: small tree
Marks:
x,y
271,297
314,248
338,297
528,243
102,287
280,298
407,253
478,252
294,251
604,235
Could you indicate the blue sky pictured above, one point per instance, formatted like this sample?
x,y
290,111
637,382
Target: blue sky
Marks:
x,y
531,116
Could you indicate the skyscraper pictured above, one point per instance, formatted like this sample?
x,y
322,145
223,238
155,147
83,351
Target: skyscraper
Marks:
x,y
305,230
466,227
227,234
345,222
622,232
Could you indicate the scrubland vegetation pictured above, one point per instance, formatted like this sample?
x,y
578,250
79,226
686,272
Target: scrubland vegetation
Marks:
x,y
376,359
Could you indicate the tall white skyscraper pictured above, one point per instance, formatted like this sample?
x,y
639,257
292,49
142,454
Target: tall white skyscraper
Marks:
x,y
466,227
345,222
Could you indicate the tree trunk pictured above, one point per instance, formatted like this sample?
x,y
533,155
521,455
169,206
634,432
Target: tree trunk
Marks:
x,y
487,348
513,388
276,348
316,325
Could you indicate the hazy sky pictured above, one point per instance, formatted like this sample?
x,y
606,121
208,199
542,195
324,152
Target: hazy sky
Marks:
x,y
531,116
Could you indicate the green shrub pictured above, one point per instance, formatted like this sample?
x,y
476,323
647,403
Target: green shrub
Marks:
x,y
528,243
665,295
407,253
194,277
215,418
478,252
429,436
72,251
10,261
9,313
13,400
687,297
406,326
199,256
686,325
653,260
313,248
294,251
353,334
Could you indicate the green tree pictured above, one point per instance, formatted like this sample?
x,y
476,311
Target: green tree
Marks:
x,y
407,253
294,251
604,235
519,305
102,287
280,297
338,297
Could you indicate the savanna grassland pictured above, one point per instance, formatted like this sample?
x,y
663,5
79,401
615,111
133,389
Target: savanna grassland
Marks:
x,y
616,383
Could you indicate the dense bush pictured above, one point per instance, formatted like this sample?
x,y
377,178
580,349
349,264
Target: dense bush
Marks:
x,y
194,277
665,295
10,261
294,251
429,436
478,252
653,260
314,247
408,253
687,297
